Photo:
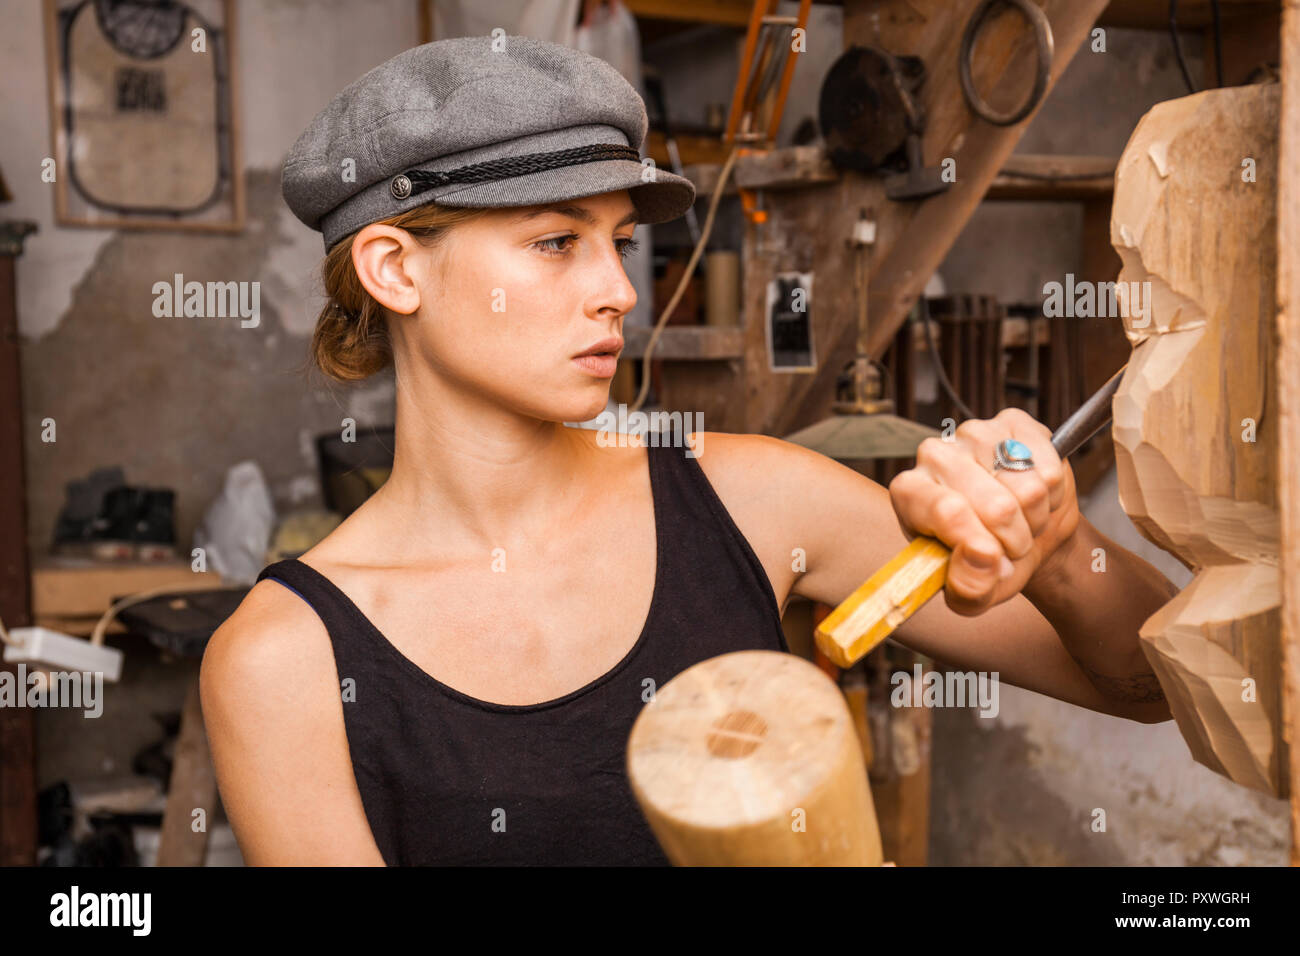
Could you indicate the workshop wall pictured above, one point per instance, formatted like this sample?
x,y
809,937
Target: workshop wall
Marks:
x,y
176,402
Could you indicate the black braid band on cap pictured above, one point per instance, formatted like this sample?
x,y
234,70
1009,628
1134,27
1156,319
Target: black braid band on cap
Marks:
x,y
421,181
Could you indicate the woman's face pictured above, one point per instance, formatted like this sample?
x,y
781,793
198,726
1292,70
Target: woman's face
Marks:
x,y
515,295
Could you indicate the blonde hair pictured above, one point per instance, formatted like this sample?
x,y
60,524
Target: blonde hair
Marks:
x,y
351,340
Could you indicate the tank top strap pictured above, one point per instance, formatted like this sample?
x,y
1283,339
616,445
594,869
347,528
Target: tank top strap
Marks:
x,y
312,587
699,526
355,647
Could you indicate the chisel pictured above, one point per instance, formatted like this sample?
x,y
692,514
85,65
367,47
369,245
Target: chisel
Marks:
x,y
918,572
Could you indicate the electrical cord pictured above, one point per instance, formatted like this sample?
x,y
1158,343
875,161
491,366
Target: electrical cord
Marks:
x,y
922,314
1218,42
1042,34
1178,46
101,626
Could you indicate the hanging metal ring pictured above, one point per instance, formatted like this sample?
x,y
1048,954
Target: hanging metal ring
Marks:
x,y
1043,35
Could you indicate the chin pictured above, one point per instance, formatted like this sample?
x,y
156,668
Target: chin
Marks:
x,y
586,408
573,405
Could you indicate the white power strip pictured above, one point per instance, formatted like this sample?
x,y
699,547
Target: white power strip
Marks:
x,y
56,651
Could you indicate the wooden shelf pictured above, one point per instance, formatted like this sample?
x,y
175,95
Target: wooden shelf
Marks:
x,y
1141,14
697,343
1082,177
793,167
730,13
1025,175
692,148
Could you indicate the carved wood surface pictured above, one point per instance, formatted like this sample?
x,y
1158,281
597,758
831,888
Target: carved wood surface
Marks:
x,y
1196,419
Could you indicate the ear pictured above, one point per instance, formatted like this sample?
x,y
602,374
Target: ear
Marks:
x,y
388,262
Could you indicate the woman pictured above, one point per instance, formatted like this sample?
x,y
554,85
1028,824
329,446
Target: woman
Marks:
x,y
451,675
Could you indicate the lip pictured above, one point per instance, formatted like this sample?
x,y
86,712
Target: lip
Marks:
x,y
601,366
601,359
612,345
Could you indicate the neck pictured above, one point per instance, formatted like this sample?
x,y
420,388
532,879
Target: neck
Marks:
x,y
484,477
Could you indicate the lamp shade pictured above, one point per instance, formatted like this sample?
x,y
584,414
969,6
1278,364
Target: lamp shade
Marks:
x,y
863,437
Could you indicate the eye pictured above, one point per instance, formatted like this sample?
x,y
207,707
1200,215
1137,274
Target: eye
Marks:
x,y
548,246
545,245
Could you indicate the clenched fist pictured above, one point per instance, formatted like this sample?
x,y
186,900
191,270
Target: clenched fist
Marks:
x,y
1001,526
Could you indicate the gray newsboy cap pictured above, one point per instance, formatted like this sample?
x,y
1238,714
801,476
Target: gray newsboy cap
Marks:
x,y
459,123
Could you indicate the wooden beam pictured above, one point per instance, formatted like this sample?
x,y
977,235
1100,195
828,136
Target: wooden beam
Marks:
x,y
193,786
1288,397
17,724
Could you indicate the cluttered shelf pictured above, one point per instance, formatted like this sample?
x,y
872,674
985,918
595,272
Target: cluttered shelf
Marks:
x,y
1023,176
1137,14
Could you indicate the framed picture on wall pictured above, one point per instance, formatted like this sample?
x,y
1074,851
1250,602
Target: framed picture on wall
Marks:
x,y
142,113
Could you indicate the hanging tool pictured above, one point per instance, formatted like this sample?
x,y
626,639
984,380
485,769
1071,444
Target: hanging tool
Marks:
x,y
765,64
1045,48
768,45
918,572
873,123
655,88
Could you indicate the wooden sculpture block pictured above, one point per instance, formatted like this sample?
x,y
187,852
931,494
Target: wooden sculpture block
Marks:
x,y
1195,419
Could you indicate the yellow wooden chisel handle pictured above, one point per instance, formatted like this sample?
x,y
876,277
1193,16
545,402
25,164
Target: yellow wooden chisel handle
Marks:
x,y
887,599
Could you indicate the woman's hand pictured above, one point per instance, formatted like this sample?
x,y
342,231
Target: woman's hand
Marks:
x,y
1002,526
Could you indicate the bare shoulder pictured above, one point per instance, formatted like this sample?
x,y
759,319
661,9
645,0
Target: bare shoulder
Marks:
x,y
790,501
268,668
273,712
269,663
271,629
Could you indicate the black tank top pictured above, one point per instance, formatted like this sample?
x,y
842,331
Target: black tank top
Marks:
x,y
447,779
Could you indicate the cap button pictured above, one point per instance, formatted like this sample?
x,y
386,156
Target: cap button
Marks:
x,y
400,187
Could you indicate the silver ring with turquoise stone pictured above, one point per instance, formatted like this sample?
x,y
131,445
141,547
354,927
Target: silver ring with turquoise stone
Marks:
x,y
1012,455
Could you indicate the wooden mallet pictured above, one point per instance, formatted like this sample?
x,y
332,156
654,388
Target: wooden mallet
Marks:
x,y
918,572
752,759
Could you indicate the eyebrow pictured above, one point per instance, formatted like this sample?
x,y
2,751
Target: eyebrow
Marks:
x,y
573,212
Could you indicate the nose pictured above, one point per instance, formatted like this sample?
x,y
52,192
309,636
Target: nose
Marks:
x,y
614,290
